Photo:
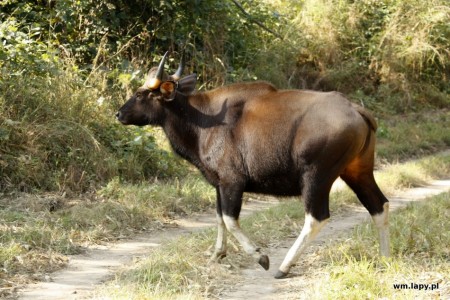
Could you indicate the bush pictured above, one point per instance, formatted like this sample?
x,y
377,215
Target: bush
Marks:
x,y
66,66
395,52
58,133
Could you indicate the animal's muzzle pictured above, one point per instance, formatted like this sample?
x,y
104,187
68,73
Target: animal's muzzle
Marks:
x,y
119,117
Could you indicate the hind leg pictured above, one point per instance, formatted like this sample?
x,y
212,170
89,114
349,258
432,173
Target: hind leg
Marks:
x,y
315,194
382,223
370,195
310,229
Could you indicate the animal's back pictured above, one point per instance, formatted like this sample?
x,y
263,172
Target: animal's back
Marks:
x,y
276,113
238,92
274,133
282,130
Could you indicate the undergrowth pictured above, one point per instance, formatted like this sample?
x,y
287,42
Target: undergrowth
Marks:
x,y
413,135
60,86
56,134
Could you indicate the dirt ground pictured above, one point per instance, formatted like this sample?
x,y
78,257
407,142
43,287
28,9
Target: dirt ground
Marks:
x,y
98,264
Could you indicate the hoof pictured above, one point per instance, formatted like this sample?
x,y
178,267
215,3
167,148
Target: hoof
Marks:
x,y
280,275
216,257
264,262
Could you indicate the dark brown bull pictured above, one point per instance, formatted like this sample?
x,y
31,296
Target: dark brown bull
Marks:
x,y
252,137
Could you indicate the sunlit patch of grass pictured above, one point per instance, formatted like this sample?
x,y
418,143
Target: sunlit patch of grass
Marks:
x,y
398,176
420,235
164,198
404,137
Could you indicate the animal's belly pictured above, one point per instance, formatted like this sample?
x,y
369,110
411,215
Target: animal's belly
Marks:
x,y
287,185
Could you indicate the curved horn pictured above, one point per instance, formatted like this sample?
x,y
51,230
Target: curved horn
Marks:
x,y
179,72
156,81
160,71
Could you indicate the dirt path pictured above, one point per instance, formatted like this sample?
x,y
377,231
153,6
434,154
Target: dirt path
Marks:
x,y
98,264
85,271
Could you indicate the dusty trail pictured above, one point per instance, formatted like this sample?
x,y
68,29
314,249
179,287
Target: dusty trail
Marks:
x,y
98,264
85,271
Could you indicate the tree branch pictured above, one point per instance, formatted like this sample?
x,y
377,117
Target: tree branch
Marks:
x,y
239,6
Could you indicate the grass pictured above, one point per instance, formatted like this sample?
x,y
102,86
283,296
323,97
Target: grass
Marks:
x,y
414,173
413,135
36,232
179,269
165,198
420,236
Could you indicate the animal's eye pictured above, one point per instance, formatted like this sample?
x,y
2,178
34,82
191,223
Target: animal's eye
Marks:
x,y
139,96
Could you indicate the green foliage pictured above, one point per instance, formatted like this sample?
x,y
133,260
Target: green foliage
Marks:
x,y
58,134
116,32
66,66
394,53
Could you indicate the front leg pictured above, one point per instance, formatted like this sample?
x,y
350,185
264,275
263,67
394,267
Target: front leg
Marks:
x,y
220,250
230,203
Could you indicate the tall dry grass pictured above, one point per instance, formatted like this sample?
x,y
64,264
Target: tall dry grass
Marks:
x,y
392,56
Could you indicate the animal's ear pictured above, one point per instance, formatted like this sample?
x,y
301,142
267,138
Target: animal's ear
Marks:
x,y
168,90
186,85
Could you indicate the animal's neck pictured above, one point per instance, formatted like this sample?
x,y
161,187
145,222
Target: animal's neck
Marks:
x,y
182,132
186,118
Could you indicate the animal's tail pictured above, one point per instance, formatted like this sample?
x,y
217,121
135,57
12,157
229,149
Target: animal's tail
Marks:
x,y
371,126
367,116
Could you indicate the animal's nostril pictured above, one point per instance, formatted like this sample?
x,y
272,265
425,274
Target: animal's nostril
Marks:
x,y
118,114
